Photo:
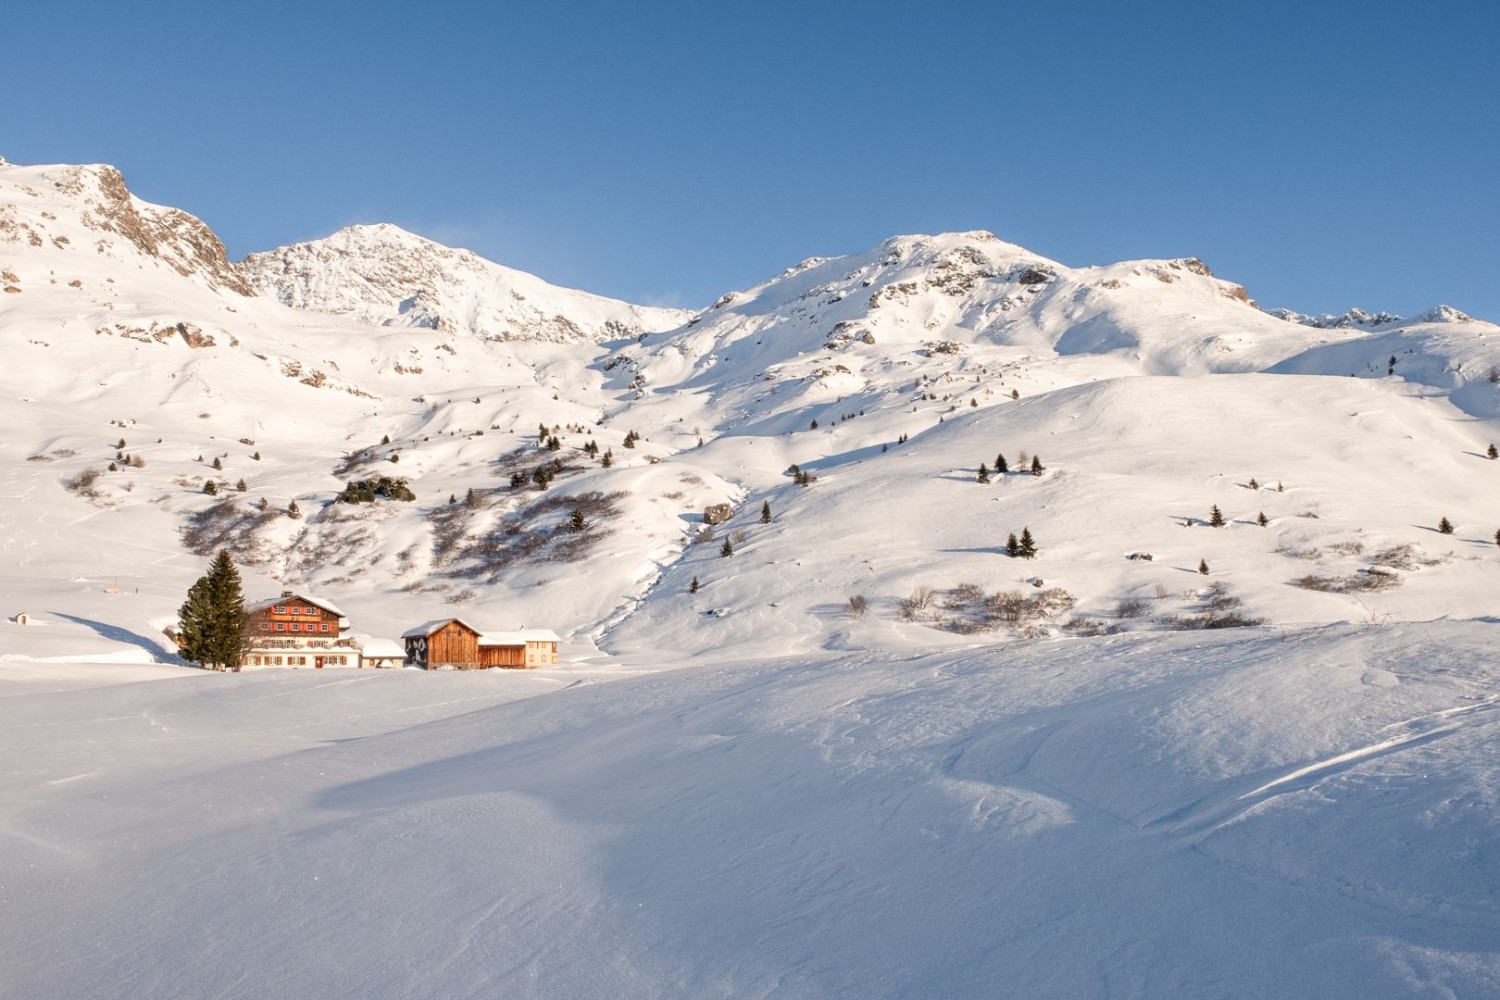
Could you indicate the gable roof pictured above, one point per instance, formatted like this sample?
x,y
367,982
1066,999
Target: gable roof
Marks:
x,y
383,649
425,629
294,599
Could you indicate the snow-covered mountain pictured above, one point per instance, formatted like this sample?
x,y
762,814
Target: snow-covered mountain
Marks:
x,y
386,276
927,762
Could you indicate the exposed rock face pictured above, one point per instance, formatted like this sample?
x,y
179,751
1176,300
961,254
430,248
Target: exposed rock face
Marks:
x,y
388,277
717,513
169,234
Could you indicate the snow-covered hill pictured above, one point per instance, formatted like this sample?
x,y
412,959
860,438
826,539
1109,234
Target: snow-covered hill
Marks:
x,y
385,276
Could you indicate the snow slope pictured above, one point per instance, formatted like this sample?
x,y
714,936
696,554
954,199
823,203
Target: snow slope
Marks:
x,y
1253,814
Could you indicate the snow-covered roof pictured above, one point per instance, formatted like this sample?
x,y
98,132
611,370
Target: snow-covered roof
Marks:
x,y
518,637
327,606
425,629
382,649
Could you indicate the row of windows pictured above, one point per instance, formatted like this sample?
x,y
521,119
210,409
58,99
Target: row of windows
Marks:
x,y
283,609
295,661
295,627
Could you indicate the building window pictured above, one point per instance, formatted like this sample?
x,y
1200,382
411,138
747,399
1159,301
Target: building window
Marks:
x,y
265,626
280,609
322,626
281,626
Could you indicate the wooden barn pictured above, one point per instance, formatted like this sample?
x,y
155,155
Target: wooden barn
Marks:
x,y
453,642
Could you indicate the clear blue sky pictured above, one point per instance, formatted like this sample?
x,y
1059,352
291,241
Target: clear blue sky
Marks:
x,y
1324,153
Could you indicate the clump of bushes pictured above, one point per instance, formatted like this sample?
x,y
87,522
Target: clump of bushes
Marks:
x,y
1365,581
967,608
1220,609
381,488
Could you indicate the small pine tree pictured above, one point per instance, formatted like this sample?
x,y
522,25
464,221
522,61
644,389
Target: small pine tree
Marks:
x,y
395,457
1000,467
1215,517
765,512
121,445
211,622
218,463
1261,519
608,459
256,456
984,473
262,504
1203,566
1036,465
1028,544
1015,394
1279,487
813,426
386,439
471,499
293,511
242,486
630,440
727,549
1445,526
211,488
576,523
1253,484
1012,546
1493,452
452,499
113,467
693,587
973,401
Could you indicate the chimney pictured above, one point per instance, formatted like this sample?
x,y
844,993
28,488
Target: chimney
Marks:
x,y
288,593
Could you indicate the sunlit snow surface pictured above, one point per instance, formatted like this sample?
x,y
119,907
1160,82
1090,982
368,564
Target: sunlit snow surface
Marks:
x,y
1258,814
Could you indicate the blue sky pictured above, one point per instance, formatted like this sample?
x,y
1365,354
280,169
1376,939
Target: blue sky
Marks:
x,y
1325,154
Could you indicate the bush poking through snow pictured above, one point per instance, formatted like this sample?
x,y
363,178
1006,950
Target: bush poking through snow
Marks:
x,y
1221,609
858,605
381,488
1370,580
1132,607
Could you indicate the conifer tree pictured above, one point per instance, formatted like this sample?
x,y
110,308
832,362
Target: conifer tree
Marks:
x,y
1497,538
211,622
262,503
1036,465
386,439
1028,544
1261,519
471,498
693,587
1445,526
121,445
1493,452
242,486
113,467
1253,484
1000,467
1012,546
813,426
1215,517
1015,394
727,549
211,488
765,512
984,473
608,459
293,511
256,456
218,463
1203,566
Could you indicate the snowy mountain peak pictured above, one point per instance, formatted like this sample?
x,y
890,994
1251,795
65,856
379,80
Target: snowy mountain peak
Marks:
x,y
1444,314
383,275
65,212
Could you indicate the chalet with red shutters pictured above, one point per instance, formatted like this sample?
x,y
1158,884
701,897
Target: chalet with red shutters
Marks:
x,y
295,630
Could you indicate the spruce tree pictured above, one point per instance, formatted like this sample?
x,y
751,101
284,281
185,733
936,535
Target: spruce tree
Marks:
x,y
218,463
1261,519
727,549
1253,484
1215,517
471,498
293,511
1036,465
1493,452
1028,544
1000,467
211,623
693,587
113,467
1203,566
211,488
1445,527
765,512
813,426
608,459
577,524
984,473
1012,546
242,486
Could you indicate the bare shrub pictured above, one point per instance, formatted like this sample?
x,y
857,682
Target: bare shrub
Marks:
x,y
540,533
915,605
1309,554
1407,557
858,605
1132,607
228,525
1160,590
1086,626
462,597
1366,581
85,485
1349,548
